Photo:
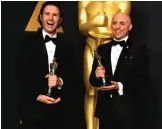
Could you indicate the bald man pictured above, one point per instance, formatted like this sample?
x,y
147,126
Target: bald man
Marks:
x,y
125,68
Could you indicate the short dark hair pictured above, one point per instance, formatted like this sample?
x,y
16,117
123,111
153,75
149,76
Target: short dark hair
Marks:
x,y
54,3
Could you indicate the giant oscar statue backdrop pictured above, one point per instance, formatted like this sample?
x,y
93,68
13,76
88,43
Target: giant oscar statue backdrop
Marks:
x,y
94,20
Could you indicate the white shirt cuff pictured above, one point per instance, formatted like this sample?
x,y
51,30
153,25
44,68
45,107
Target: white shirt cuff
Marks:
x,y
61,82
37,97
120,90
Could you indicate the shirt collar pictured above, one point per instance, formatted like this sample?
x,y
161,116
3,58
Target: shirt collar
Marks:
x,y
45,33
125,39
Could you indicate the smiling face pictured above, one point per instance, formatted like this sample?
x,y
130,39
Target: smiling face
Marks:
x,y
121,25
50,19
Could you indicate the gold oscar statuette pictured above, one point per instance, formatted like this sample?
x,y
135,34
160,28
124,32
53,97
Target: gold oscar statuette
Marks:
x,y
53,67
98,57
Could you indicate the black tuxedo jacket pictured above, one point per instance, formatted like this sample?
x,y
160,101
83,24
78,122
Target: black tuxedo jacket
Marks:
x,y
131,71
33,67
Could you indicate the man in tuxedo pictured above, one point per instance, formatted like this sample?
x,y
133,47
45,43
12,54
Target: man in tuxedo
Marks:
x,y
124,66
37,109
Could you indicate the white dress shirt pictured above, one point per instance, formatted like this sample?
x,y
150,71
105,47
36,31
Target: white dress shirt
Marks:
x,y
115,53
50,47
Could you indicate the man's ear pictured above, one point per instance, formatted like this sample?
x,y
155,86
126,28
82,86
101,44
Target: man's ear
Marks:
x,y
60,23
40,16
130,27
60,20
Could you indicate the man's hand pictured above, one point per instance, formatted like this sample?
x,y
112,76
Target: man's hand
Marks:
x,y
100,71
52,80
48,100
114,86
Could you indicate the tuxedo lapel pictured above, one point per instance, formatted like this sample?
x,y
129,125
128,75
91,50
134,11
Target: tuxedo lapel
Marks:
x,y
42,51
123,55
107,60
58,47
120,60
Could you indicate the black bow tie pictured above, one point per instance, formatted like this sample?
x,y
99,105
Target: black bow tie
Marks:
x,y
47,39
121,43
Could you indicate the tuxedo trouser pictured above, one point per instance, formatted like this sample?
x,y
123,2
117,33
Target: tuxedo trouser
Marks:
x,y
49,117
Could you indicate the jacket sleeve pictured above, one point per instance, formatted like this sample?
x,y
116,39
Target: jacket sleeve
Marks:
x,y
29,90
